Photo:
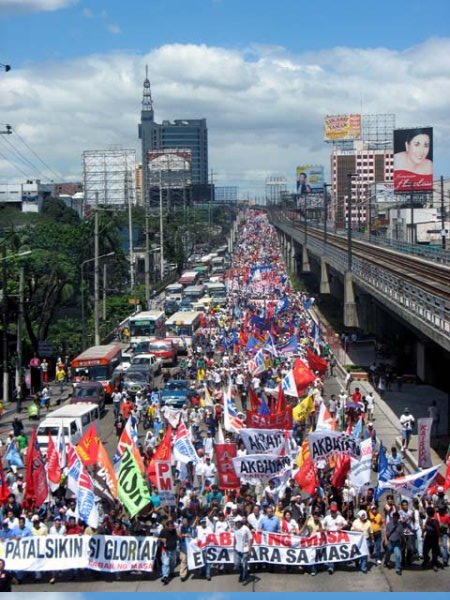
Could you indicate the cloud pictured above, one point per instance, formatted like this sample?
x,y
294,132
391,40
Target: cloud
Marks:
x,y
264,106
26,6
112,28
87,12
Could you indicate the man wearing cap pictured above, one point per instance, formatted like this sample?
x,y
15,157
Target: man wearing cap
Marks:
x,y
203,531
334,521
407,422
242,547
363,525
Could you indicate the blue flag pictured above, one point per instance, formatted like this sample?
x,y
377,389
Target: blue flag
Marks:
x,y
13,456
263,408
357,429
384,471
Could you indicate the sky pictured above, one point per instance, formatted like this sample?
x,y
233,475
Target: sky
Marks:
x,y
263,73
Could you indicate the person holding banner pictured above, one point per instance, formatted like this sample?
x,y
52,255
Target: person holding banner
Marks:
x,y
363,525
168,539
6,578
242,548
334,521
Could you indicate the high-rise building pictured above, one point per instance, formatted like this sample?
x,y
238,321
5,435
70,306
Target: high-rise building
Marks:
x,y
181,133
368,166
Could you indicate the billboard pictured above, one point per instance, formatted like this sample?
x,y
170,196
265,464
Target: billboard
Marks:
x,y
171,167
310,179
413,159
342,127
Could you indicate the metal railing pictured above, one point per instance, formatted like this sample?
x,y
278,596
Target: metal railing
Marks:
x,y
430,309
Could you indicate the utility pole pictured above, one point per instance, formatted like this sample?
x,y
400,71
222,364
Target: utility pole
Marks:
x,y
104,291
5,329
20,327
325,213
443,232
161,226
130,234
96,274
349,222
147,259
411,203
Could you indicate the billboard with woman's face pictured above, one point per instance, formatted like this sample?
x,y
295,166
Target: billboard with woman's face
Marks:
x,y
413,159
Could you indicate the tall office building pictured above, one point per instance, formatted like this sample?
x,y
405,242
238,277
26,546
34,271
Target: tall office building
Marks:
x,y
181,133
368,167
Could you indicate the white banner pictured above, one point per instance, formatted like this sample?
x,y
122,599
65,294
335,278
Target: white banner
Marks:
x,y
257,467
263,441
97,552
164,482
281,549
424,432
323,444
360,470
183,449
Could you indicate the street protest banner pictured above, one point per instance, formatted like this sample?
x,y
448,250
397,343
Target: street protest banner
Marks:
x,y
259,467
263,441
323,444
424,433
97,552
280,549
282,420
225,470
131,487
360,470
164,482
411,485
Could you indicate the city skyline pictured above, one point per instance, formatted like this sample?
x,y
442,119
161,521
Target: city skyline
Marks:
x,y
262,81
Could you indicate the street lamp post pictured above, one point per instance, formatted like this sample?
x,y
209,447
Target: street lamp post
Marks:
x,y
83,317
325,213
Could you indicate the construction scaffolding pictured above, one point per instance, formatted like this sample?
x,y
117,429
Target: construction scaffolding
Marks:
x,y
109,178
275,186
169,173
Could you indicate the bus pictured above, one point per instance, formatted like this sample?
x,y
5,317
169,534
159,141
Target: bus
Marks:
x,y
183,324
189,278
97,364
146,324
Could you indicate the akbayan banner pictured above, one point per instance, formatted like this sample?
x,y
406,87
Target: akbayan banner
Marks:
x,y
97,552
280,549
257,467
263,441
323,444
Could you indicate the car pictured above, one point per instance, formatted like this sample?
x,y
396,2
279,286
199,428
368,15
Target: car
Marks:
x,y
179,343
91,392
135,380
171,306
147,362
185,305
175,393
165,349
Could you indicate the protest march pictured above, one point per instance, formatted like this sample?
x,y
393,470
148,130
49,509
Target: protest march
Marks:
x,y
259,469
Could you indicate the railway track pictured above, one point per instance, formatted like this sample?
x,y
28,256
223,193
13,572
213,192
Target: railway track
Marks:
x,y
429,276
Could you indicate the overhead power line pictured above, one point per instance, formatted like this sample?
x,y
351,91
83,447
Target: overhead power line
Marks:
x,y
12,164
18,156
58,175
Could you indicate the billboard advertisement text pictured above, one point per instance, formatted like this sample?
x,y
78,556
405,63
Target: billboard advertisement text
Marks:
x,y
342,127
310,178
413,159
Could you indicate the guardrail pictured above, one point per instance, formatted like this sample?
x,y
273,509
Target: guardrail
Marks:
x,y
432,310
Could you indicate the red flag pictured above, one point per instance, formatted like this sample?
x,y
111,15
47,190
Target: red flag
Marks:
x,y
303,375
341,469
281,401
162,452
254,400
306,477
36,490
87,447
4,489
317,363
53,467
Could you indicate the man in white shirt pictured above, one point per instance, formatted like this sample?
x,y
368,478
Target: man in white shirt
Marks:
x,y
370,402
116,398
203,531
407,422
334,521
254,519
209,470
242,548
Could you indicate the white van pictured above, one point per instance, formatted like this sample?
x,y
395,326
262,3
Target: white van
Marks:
x,y
75,419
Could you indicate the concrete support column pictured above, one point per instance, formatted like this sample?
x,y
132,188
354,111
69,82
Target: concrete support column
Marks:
x,y
324,282
350,312
288,254
420,360
293,258
306,267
